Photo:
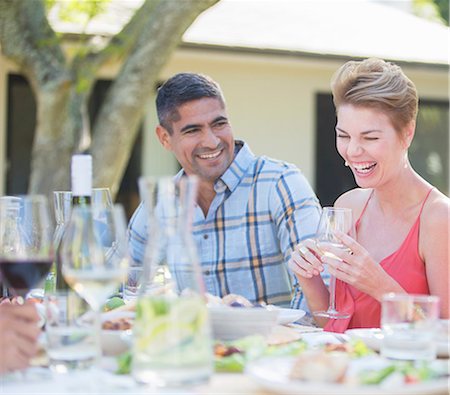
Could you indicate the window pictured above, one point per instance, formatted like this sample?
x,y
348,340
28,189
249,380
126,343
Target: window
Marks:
x,y
429,150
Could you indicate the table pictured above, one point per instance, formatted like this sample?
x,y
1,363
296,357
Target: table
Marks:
x,y
42,381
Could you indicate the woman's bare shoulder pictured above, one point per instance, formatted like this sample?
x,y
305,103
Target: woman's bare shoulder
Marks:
x,y
354,199
436,211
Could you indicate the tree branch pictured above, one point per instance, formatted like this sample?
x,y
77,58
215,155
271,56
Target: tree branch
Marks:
x,y
27,38
124,104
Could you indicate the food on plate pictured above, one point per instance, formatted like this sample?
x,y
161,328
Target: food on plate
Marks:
x,y
113,303
231,300
350,364
355,349
320,365
398,373
118,324
232,356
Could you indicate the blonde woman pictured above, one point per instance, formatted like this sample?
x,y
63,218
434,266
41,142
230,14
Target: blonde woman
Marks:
x,y
402,222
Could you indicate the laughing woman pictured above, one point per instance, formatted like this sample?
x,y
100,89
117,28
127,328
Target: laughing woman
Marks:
x,y
402,222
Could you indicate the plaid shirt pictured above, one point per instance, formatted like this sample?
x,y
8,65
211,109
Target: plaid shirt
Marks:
x,y
261,210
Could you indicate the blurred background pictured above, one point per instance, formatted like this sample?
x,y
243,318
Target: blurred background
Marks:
x,y
274,60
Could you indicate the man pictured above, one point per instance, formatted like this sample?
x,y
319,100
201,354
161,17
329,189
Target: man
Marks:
x,y
251,211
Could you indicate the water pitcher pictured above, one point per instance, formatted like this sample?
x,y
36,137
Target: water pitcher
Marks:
x,y
172,341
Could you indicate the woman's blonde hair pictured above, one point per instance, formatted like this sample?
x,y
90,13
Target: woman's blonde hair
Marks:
x,y
377,84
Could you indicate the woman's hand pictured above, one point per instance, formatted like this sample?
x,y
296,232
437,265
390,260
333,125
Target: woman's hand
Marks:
x,y
19,332
356,267
306,260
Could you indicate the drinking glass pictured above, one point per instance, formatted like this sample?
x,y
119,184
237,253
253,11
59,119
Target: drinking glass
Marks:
x,y
95,265
26,251
333,219
409,324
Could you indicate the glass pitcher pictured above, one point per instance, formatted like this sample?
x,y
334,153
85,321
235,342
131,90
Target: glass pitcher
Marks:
x,y
172,342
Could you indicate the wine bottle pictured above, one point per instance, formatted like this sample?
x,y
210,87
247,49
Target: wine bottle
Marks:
x,y
81,179
81,176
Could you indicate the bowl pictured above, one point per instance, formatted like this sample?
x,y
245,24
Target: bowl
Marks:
x,y
229,323
116,341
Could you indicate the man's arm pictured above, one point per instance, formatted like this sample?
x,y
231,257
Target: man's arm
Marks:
x,y
137,235
297,212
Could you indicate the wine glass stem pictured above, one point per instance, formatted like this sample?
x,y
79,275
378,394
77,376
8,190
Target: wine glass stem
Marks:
x,y
332,306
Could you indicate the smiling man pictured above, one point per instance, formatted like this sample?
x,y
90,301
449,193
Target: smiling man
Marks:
x,y
251,211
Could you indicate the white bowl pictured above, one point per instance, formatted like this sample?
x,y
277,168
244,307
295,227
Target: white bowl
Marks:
x,y
115,342
230,323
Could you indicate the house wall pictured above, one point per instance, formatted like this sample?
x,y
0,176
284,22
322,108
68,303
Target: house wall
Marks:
x,y
270,101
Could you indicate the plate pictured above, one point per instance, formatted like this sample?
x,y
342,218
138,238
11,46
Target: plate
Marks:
x,y
229,323
273,375
372,337
287,316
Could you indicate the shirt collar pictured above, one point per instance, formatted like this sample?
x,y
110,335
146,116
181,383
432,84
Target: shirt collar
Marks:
x,y
243,158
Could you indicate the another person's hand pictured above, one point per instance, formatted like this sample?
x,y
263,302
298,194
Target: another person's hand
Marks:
x,y
19,332
306,259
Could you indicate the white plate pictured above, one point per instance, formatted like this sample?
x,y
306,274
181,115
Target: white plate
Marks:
x,y
372,337
287,316
229,323
273,375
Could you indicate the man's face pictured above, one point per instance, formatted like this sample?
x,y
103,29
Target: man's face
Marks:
x,y
201,139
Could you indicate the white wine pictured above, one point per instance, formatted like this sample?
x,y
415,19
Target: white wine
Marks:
x,y
95,285
335,245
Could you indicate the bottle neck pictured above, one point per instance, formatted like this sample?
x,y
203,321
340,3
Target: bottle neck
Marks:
x,y
81,179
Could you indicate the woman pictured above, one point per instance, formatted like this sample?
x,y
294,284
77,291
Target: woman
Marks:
x,y
402,222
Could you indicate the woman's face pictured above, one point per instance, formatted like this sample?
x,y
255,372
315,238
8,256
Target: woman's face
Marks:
x,y
374,150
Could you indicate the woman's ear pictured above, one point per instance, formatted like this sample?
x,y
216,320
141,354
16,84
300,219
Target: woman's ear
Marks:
x,y
408,133
163,137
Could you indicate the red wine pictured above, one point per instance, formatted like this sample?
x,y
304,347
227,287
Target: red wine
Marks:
x,y
22,275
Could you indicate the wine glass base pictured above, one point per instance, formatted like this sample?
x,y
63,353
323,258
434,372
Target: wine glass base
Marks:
x,y
333,314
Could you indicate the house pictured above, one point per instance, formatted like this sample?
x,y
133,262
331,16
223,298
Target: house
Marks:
x,y
274,60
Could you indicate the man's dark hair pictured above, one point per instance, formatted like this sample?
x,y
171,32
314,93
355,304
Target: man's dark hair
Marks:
x,y
180,89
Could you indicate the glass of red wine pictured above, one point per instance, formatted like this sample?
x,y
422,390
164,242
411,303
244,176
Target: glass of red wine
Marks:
x,y
26,251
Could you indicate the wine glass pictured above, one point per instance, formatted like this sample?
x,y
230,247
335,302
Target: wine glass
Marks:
x,y
333,219
94,255
26,251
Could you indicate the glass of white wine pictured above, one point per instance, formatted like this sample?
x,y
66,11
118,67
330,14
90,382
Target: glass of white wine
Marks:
x,y
94,256
334,219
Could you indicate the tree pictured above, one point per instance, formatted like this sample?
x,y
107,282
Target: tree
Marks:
x,y
433,10
62,84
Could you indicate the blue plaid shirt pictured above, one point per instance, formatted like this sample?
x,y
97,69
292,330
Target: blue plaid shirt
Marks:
x,y
261,210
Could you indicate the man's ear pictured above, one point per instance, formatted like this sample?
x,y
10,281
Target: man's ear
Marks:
x,y
164,137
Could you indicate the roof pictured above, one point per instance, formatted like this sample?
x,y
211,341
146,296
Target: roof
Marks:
x,y
357,28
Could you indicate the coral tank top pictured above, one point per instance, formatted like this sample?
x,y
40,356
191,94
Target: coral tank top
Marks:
x,y
404,265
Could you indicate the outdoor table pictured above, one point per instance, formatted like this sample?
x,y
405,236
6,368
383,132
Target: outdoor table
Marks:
x,y
39,380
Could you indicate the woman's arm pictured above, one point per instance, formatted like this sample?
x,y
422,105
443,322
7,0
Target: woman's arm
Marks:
x,y
307,266
434,244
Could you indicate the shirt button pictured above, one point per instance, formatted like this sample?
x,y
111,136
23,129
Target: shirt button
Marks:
x,y
207,272
206,237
